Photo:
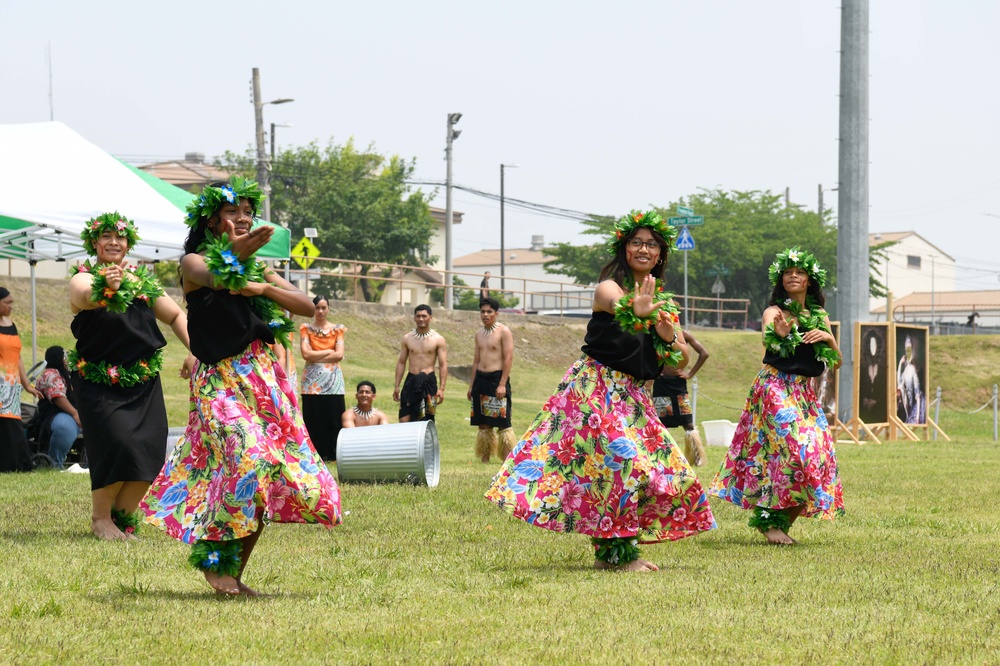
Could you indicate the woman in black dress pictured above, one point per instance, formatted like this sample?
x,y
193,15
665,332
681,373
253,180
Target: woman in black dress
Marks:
x,y
116,375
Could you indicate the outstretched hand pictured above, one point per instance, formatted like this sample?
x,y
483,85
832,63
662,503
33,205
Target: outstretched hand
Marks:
x,y
782,326
643,304
246,245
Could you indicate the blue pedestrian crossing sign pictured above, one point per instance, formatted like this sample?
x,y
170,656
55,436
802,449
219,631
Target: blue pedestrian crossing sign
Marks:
x,y
685,241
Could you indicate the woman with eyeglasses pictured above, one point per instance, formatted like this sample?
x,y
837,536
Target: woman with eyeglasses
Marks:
x,y
596,460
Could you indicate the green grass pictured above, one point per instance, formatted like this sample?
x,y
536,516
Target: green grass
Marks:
x,y
418,575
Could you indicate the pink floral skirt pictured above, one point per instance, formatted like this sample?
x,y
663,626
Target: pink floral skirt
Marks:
x,y
782,454
244,457
597,461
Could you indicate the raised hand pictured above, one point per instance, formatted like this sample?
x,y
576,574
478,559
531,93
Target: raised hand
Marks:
x,y
642,299
247,244
782,326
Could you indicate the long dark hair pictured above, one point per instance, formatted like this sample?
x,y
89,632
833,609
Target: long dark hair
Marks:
x,y
813,291
618,270
55,358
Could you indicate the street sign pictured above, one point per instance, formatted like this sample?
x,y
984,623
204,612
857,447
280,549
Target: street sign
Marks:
x,y
718,287
304,253
691,221
684,210
685,241
718,270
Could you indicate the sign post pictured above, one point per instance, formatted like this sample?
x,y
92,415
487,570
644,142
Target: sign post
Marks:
x,y
304,253
718,288
685,243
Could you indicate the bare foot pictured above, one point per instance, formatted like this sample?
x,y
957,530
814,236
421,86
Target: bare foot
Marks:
x,y
247,590
222,584
106,530
777,537
634,565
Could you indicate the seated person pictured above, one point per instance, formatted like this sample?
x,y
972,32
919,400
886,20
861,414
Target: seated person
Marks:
x,y
64,426
363,414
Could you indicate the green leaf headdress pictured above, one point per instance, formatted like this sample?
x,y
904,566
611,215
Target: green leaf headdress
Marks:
x,y
108,222
212,198
799,259
635,219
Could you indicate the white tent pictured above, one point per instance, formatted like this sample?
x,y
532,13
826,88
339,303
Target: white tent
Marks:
x,y
52,180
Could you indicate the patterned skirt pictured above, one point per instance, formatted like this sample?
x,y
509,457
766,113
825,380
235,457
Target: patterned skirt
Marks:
x,y
244,457
597,461
782,454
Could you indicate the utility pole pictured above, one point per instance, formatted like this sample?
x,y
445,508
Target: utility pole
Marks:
x,y
852,200
258,115
452,135
819,210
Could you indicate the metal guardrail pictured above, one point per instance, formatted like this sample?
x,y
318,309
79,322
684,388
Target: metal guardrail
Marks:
x,y
560,298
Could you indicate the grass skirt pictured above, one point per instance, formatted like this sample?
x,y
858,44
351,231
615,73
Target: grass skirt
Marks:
x,y
244,457
782,454
597,461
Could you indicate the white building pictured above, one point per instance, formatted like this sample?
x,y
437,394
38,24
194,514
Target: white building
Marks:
x,y
913,265
523,276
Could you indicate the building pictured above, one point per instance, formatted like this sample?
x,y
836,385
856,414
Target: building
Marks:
x,y
523,276
189,174
913,265
413,286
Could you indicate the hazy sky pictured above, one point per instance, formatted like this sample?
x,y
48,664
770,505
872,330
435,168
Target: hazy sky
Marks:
x,y
604,106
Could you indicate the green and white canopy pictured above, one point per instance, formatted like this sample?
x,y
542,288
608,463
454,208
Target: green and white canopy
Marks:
x,y
52,180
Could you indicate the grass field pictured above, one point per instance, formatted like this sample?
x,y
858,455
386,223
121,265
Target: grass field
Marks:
x,y
418,575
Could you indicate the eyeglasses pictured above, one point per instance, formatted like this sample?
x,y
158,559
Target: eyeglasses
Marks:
x,y
636,244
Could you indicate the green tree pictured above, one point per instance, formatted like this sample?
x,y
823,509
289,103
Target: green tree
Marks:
x,y
358,201
582,263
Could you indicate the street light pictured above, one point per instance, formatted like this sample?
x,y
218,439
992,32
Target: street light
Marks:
x,y
453,133
503,259
262,165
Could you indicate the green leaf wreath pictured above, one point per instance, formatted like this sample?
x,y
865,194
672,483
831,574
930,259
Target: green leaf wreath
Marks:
x,y
234,274
137,283
630,322
811,317
222,557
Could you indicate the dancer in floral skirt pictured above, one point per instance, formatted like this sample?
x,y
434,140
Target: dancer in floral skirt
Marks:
x,y
781,463
596,460
245,458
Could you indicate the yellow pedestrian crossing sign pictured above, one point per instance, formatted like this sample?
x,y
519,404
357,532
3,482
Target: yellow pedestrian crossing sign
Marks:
x,y
304,253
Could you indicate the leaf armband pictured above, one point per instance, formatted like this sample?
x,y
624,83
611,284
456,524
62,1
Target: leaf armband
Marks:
x,y
626,317
783,346
225,265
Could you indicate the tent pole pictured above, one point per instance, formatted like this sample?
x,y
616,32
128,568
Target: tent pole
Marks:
x,y
34,315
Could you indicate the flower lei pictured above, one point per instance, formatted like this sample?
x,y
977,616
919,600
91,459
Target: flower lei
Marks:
x,y
794,257
810,317
137,282
617,550
102,372
631,323
234,275
222,557
650,219
211,198
116,222
764,519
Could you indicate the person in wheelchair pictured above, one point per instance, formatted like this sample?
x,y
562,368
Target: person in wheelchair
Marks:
x,y
60,425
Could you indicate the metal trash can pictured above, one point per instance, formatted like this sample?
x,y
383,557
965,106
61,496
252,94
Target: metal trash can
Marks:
x,y
403,452
174,433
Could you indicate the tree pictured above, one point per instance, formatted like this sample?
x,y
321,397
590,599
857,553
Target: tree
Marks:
x,y
358,201
583,263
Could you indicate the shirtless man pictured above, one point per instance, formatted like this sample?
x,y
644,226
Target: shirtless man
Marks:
x,y
490,387
423,348
363,414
